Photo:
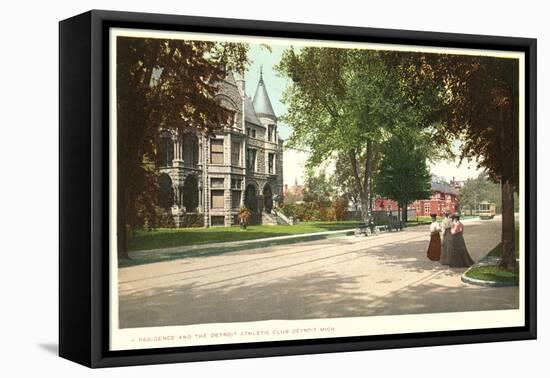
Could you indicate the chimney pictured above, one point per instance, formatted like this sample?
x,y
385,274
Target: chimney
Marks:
x,y
241,84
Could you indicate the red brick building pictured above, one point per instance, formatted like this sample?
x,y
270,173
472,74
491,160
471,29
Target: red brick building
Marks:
x,y
444,197
295,192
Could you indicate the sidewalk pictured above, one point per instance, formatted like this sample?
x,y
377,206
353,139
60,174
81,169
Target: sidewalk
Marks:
x,y
195,247
234,245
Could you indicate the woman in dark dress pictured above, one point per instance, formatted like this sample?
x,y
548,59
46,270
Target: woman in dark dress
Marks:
x,y
447,244
460,258
434,249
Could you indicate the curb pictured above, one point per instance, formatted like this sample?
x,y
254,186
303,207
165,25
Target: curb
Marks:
x,y
474,281
237,245
192,247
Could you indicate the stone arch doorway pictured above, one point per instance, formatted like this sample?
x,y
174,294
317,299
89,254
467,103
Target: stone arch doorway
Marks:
x,y
166,192
251,203
190,194
268,198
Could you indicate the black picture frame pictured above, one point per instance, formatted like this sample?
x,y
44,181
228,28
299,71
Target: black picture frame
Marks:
x,y
84,188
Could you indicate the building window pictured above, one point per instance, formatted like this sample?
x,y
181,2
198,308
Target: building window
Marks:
x,y
251,132
236,199
270,129
217,220
217,199
216,183
235,153
271,163
166,151
426,208
251,159
190,150
236,184
216,151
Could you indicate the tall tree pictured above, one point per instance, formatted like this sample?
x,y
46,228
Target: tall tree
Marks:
x,y
345,102
318,187
477,190
481,107
403,176
162,83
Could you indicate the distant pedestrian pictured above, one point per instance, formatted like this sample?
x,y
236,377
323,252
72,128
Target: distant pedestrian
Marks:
x,y
460,258
447,245
434,249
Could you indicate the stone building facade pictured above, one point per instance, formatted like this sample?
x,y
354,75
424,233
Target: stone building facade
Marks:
x,y
207,179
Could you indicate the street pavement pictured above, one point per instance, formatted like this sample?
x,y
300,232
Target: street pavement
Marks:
x,y
342,276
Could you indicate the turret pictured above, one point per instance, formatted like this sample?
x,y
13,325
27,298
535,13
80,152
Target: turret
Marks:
x,y
262,104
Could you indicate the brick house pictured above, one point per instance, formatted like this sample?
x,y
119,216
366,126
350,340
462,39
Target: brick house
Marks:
x,y
444,197
214,176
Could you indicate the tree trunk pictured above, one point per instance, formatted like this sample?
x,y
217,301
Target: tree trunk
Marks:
x,y
399,214
508,258
363,200
122,237
405,215
368,179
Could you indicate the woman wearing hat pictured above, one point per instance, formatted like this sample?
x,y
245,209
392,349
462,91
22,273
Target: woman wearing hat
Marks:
x,y
434,249
447,246
460,258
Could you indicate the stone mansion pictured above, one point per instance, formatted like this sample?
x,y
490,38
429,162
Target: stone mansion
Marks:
x,y
207,179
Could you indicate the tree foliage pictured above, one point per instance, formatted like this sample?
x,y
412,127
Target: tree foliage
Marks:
x,y
344,103
162,83
403,176
318,187
481,107
477,190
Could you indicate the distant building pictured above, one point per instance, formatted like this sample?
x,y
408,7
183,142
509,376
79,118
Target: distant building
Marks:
x,y
457,184
214,176
294,193
444,197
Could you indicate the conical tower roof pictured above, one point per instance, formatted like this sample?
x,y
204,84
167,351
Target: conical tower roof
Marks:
x,y
262,104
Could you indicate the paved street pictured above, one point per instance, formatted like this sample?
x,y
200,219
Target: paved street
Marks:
x,y
341,276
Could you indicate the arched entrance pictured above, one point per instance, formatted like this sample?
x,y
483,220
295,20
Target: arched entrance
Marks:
x,y
190,194
166,192
268,198
251,203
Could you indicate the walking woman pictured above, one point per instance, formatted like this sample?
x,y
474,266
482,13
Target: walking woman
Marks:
x,y
447,246
460,258
434,249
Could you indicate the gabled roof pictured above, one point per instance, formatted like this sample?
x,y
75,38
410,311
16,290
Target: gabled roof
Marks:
x,y
261,103
443,187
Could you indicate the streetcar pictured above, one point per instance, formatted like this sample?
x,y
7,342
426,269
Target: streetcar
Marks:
x,y
486,210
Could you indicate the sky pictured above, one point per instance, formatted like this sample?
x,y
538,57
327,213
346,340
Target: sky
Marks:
x,y
293,160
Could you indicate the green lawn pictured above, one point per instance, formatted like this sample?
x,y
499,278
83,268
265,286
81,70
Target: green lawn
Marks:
x,y
494,273
174,237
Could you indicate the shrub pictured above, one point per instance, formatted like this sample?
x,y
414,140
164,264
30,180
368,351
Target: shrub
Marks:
x,y
193,220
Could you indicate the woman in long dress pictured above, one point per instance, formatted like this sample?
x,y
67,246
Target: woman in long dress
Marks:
x,y
434,249
460,258
447,245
